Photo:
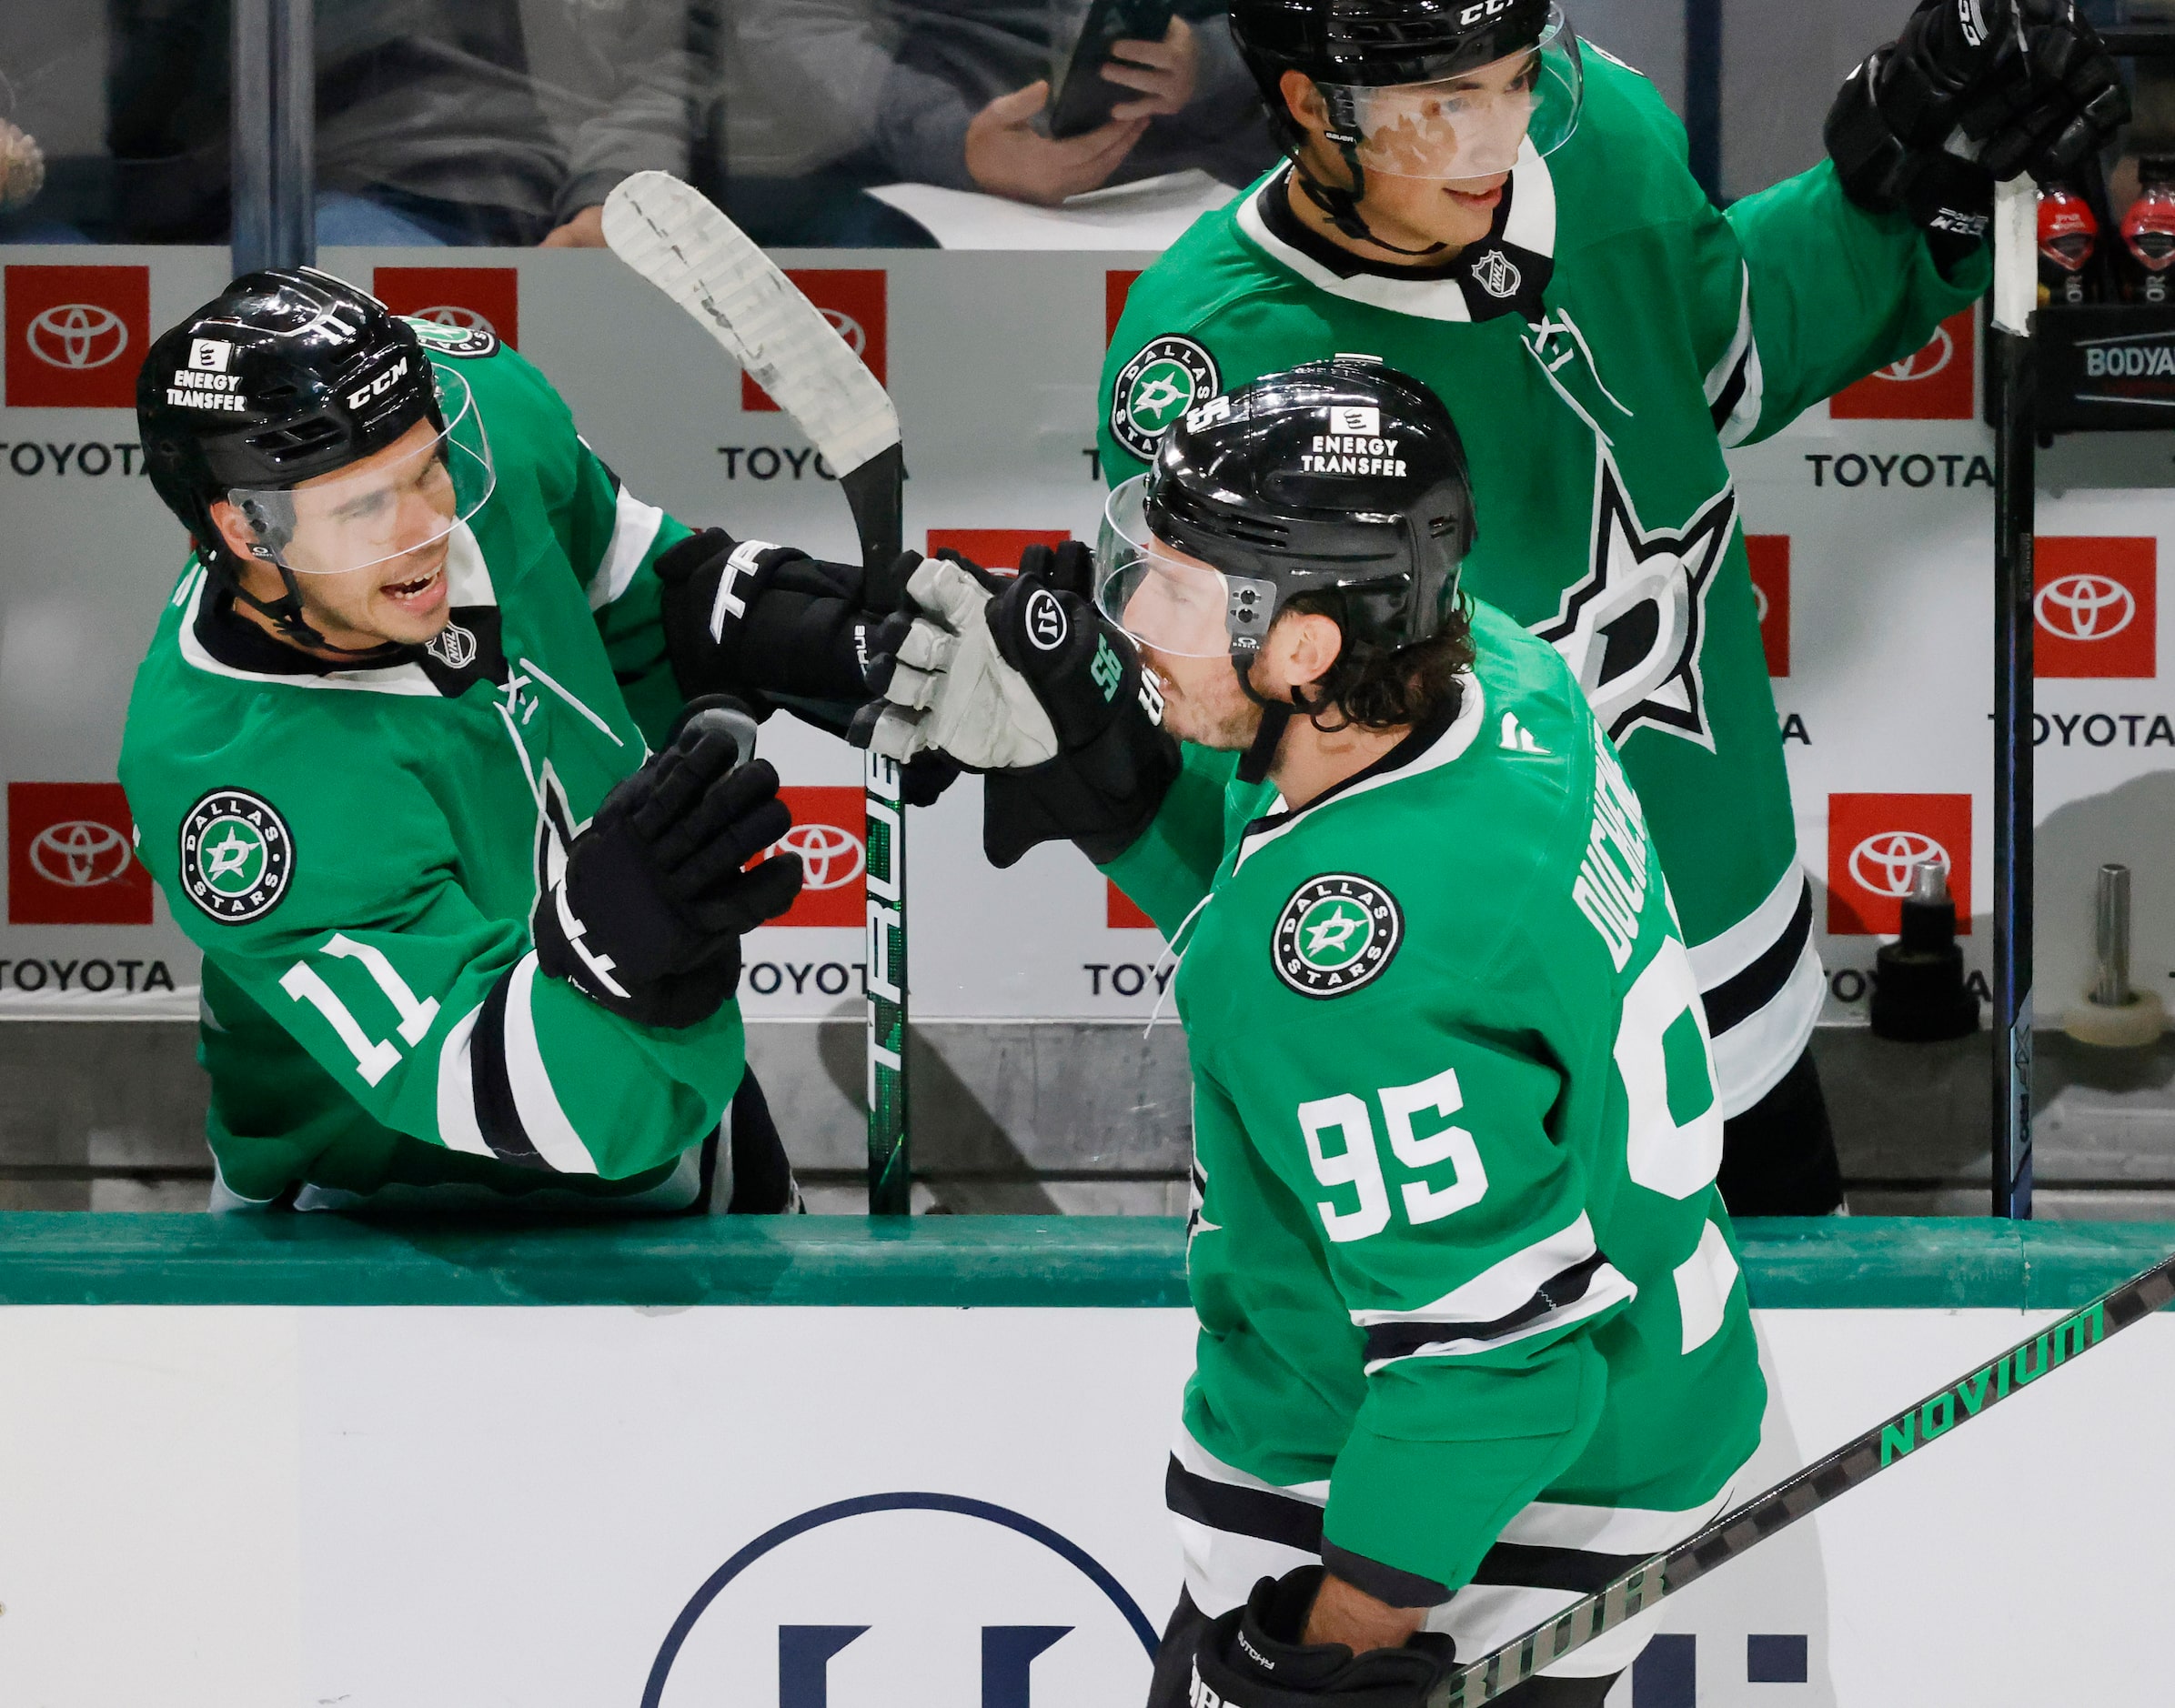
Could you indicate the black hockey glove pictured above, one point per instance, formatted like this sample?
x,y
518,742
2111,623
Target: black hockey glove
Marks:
x,y
1252,1657
1024,678
648,917
762,622
1972,92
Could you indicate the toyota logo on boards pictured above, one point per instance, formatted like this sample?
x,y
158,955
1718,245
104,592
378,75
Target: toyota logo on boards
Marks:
x,y
453,315
826,830
1876,842
849,328
907,1598
485,300
71,856
1923,364
79,853
76,336
1886,863
1933,383
2095,607
2085,608
852,300
831,858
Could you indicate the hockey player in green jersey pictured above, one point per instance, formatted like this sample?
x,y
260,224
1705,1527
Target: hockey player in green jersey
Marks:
x,y
388,758
1472,1331
1478,201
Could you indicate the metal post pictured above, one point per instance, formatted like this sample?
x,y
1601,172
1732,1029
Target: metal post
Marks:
x,y
1703,92
274,155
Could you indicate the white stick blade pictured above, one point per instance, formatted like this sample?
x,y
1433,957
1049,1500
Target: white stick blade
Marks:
x,y
673,236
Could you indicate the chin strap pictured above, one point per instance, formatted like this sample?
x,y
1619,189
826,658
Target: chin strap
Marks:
x,y
286,615
1275,718
1340,204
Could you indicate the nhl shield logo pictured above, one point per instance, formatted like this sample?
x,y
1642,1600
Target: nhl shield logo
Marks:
x,y
1336,933
453,646
1157,387
236,856
1497,274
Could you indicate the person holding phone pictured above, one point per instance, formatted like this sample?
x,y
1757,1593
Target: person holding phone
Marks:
x,y
960,94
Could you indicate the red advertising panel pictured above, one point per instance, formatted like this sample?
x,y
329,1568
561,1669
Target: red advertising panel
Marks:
x,y
852,300
993,548
1117,284
828,824
474,298
2096,608
1120,914
1874,842
1934,384
76,335
1769,557
71,856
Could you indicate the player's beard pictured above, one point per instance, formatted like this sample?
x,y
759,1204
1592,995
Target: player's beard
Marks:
x,y
1203,703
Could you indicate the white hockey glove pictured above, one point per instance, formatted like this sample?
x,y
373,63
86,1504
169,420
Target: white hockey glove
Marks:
x,y
1024,680
946,685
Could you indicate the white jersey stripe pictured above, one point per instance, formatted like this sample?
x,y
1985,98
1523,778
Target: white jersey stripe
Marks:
x,y
1503,1286
1752,1056
633,532
1739,367
535,1101
458,1129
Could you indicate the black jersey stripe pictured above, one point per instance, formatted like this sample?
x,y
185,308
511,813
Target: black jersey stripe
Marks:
x,y
1725,401
1401,1340
1521,1565
1384,1583
497,1117
1750,988
1261,1513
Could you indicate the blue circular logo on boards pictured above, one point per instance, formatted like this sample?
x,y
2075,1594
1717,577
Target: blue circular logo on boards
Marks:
x,y
846,1604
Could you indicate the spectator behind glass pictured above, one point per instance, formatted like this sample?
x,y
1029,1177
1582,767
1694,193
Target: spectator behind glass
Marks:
x,y
946,92
490,121
813,100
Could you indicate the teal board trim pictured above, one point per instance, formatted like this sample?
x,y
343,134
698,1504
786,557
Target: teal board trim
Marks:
x,y
70,1258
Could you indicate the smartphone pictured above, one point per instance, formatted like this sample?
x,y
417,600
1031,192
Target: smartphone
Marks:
x,y
1083,99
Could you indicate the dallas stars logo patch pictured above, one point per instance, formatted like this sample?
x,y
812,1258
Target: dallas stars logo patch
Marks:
x,y
1336,933
1155,388
441,339
236,856
1631,629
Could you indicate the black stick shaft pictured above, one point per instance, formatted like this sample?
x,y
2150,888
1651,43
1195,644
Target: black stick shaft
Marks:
x,y
1811,1489
876,491
2015,479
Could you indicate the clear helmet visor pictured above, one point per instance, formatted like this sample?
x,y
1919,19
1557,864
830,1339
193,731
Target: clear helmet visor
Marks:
x,y
1167,600
402,499
1471,125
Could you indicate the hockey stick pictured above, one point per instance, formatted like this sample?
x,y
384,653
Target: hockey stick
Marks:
x,y
673,236
1811,1489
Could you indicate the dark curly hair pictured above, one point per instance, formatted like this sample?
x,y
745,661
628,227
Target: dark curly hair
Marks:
x,y
1372,687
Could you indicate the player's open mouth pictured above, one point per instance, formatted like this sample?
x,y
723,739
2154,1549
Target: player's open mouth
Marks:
x,y
1475,199
418,594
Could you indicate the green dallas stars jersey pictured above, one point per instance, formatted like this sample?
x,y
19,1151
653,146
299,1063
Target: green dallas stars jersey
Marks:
x,y
1461,1272
356,852
1597,351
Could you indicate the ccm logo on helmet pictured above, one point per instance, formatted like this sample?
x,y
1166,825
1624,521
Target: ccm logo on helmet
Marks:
x,y
377,388
1485,9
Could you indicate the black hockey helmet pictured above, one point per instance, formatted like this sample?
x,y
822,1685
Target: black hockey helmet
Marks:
x,y
1342,476
1353,51
288,375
